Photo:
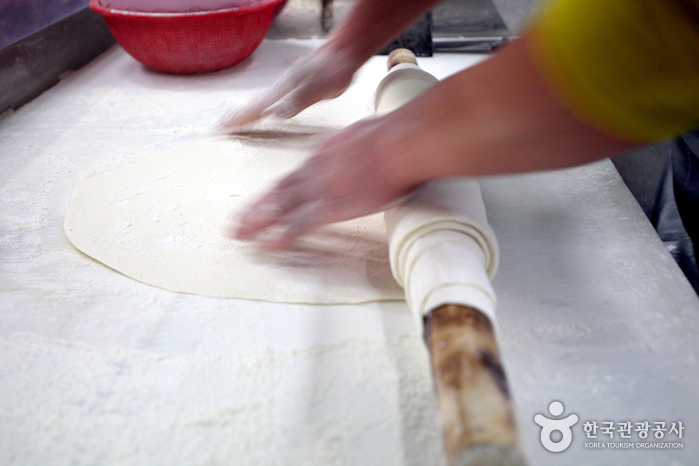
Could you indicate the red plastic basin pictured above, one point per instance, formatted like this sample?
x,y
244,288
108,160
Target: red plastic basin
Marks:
x,y
190,42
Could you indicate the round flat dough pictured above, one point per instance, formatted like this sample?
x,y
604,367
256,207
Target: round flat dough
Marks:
x,y
160,219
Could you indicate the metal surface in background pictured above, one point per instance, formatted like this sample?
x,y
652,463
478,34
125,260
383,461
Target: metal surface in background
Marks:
x,y
21,18
31,65
453,25
516,13
304,19
467,18
417,38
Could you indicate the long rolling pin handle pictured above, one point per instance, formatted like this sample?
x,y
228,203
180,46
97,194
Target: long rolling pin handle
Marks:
x,y
478,422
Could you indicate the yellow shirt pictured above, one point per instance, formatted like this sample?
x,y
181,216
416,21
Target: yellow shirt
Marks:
x,y
631,67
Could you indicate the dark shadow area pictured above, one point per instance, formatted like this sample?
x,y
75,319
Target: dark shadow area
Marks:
x,y
21,18
33,64
642,170
467,18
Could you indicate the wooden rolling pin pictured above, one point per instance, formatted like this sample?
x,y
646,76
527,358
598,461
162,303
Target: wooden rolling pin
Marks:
x,y
475,409
473,399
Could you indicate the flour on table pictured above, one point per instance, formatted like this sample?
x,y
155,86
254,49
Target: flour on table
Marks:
x,y
160,219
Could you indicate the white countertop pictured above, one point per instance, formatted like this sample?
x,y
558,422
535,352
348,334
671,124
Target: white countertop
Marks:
x,y
96,368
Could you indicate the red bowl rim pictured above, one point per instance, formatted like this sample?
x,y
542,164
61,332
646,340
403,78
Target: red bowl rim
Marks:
x,y
97,7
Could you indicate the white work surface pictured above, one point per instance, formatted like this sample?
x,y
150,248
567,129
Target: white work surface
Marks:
x,y
96,368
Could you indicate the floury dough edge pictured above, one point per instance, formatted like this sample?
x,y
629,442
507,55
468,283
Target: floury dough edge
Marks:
x,y
160,220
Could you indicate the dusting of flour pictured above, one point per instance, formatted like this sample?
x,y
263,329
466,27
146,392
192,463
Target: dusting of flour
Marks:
x,y
330,405
97,368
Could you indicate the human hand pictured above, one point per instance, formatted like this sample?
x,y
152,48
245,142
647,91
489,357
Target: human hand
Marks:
x,y
324,74
344,179
499,117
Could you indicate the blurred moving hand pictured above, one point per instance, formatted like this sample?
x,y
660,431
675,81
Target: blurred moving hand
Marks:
x,y
328,71
324,74
497,117
344,179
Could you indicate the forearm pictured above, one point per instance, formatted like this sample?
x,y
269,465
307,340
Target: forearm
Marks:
x,y
500,116
373,23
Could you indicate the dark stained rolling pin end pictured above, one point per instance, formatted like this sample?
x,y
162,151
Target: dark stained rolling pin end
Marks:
x,y
478,422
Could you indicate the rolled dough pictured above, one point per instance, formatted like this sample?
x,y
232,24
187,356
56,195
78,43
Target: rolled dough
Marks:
x,y
160,219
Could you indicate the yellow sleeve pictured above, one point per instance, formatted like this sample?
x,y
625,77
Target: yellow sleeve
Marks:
x,y
630,67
